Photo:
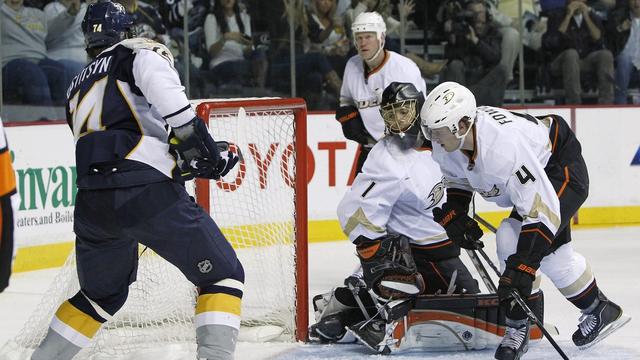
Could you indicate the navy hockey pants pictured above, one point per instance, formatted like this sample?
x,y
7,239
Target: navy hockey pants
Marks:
x,y
110,223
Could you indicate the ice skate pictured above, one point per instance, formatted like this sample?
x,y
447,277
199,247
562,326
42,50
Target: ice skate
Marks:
x,y
515,342
598,323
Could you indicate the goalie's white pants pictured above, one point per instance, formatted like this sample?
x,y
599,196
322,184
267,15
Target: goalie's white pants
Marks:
x,y
567,269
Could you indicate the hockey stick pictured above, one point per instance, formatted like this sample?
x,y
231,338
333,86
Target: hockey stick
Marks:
x,y
516,296
482,271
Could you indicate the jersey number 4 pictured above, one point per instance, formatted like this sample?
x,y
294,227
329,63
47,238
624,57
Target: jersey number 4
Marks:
x,y
524,175
86,113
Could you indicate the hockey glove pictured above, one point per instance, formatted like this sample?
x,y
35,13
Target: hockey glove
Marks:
x,y
388,267
352,125
460,228
197,154
228,159
518,275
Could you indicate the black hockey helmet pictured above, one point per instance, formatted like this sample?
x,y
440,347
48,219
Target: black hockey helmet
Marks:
x,y
400,109
106,23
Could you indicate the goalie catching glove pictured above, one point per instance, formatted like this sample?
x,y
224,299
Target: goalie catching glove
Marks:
x,y
388,266
197,154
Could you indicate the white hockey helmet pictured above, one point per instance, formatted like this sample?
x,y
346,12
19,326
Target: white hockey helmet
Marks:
x,y
445,106
369,22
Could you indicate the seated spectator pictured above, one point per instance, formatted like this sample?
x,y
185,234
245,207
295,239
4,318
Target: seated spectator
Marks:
x,y
228,37
65,41
171,12
28,75
474,56
327,33
313,69
148,21
623,33
507,24
575,39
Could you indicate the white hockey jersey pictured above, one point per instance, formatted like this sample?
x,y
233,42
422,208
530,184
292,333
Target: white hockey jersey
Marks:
x,y
395,193
507,166
365,90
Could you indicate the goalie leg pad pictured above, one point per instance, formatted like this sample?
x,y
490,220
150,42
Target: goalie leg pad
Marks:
x,y
334,311
388,267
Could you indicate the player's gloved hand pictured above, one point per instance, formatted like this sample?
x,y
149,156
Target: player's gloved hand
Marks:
x,y
196,142
352,125
355,281
228,159
388,266
461,228
518,275
197,154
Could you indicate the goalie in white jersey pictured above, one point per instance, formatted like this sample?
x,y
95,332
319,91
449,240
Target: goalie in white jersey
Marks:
x,y
387,215
366,75
535,166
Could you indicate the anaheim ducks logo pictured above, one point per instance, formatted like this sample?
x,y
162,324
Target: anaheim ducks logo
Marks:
x,y
435,195
491,193
448,97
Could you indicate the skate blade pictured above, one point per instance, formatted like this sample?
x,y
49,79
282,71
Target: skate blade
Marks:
x,y
608,330
361,341
400,286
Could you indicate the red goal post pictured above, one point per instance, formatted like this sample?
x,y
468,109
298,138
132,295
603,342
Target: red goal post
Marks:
x,y
267,125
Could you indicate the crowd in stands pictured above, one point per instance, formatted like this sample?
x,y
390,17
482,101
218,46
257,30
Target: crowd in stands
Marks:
x,y
242,47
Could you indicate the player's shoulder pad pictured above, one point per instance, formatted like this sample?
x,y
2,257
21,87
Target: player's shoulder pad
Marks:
x,y
386,161
142,44
404,62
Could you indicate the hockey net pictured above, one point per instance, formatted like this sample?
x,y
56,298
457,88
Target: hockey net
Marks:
x,y
260,207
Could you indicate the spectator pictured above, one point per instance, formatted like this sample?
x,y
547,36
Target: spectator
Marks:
x,y
228,37
623,33
148,22
312,68
575,39
474,55
28,75
510,44
65,41
327,33
171,12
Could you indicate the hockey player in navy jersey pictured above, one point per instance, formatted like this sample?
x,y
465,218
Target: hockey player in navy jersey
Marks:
x,y
130,190
533,165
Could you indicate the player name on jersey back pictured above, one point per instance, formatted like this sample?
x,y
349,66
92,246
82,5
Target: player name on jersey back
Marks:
x,y
96,67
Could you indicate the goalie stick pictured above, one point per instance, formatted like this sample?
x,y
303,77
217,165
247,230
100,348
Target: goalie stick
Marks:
x,y
514,293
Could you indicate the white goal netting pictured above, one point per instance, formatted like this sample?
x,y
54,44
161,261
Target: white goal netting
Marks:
x,y
257,205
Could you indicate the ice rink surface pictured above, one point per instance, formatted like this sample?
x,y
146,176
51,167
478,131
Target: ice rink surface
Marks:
x,y
612,252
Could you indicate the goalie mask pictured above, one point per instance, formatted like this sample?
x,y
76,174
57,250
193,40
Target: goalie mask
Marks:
x,y
106,23
400,110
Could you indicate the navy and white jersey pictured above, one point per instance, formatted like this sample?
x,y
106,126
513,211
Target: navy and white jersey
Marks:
x,y
119,107
363,89
507,166
395,193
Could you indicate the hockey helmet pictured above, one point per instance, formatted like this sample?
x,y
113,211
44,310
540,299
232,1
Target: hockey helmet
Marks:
x,y
369,22
445,106
106,23
400,110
